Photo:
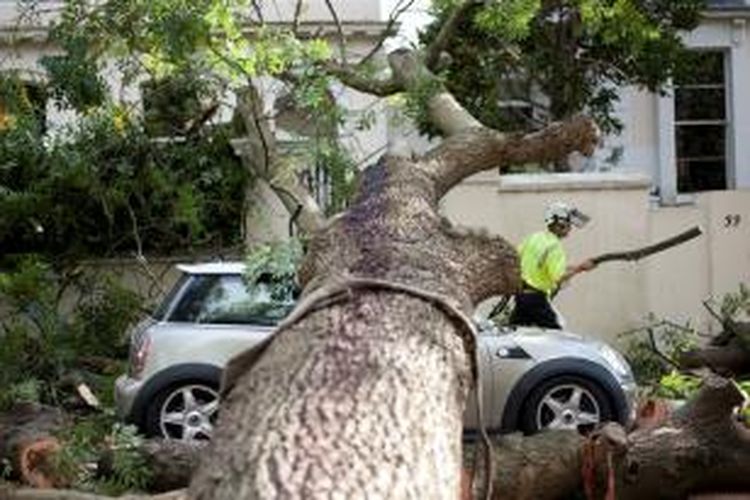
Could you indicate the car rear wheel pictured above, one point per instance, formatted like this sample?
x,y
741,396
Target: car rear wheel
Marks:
x,y
185,411
566,402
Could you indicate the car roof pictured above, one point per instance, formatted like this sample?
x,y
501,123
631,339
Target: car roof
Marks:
x,y
230,267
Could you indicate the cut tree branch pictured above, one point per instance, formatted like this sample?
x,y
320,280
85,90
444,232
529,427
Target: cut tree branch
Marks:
x,y
482,148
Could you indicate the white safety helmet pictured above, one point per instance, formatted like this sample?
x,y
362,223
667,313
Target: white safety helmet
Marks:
x,y
562,212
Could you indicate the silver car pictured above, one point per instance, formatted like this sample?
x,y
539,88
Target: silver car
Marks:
x,y
532,378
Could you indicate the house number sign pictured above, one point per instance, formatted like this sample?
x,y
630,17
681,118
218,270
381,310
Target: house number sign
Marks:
x,y
732,220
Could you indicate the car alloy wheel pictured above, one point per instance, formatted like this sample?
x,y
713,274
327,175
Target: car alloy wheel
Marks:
x,y
189,413
565,402
569,407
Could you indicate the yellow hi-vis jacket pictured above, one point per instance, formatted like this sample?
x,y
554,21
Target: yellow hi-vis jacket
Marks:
x,y
543,261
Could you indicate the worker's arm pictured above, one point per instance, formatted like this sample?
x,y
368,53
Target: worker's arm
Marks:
x,y
571,271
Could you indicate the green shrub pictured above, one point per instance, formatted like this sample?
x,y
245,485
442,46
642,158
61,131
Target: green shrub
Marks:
x,y
656,370
104,187
676,385
83,443
102,316
43,351
641,345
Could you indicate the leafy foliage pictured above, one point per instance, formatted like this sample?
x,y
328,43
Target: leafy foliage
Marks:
x,y
572,53
670,339
81,446
676,385
42,348
199,52
105,188
736,304
275,263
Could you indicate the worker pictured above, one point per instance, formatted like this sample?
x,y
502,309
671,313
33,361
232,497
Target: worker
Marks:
x,y
544,269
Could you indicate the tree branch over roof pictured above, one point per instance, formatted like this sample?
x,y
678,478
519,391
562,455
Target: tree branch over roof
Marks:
x,y
297,14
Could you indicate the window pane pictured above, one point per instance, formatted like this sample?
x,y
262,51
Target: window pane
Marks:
x,y
701,141
701,175
701,67
699,104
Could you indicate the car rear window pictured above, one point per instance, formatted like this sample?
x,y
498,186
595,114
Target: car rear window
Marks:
x,y
228,299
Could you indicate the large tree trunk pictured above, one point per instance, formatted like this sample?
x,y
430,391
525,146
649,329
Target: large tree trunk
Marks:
x,y
370,409
362,392
365,396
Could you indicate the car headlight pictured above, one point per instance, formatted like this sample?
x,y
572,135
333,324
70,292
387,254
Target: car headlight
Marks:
x,y
616,361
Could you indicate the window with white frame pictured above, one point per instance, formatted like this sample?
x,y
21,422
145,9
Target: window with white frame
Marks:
x,y
701,123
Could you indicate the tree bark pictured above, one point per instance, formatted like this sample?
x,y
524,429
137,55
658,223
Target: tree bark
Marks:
x,y
702,448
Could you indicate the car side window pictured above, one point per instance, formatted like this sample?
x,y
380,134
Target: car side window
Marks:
x,y
228,299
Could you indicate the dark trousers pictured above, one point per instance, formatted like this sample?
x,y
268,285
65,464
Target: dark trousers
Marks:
x,y
532,308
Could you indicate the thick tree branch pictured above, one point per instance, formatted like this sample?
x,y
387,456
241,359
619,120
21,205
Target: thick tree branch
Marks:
x,y
356,80
259,153
482,148
444,110
447,30
293,195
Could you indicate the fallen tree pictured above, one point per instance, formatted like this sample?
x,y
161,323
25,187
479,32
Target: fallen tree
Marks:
x,y
361,392
701,448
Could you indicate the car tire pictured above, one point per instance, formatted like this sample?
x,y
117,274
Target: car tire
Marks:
x,y
565,402
184,410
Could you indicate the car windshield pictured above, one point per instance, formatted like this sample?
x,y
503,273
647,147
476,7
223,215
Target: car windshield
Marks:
x,y
228,299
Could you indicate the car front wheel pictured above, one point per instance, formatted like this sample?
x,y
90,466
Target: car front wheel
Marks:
x,y
565,402
185,411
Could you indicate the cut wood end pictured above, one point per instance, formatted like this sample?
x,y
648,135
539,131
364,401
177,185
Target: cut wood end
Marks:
x,y
35,463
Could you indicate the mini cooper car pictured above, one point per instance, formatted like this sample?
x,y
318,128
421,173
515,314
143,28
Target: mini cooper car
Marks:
x,y
532,378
